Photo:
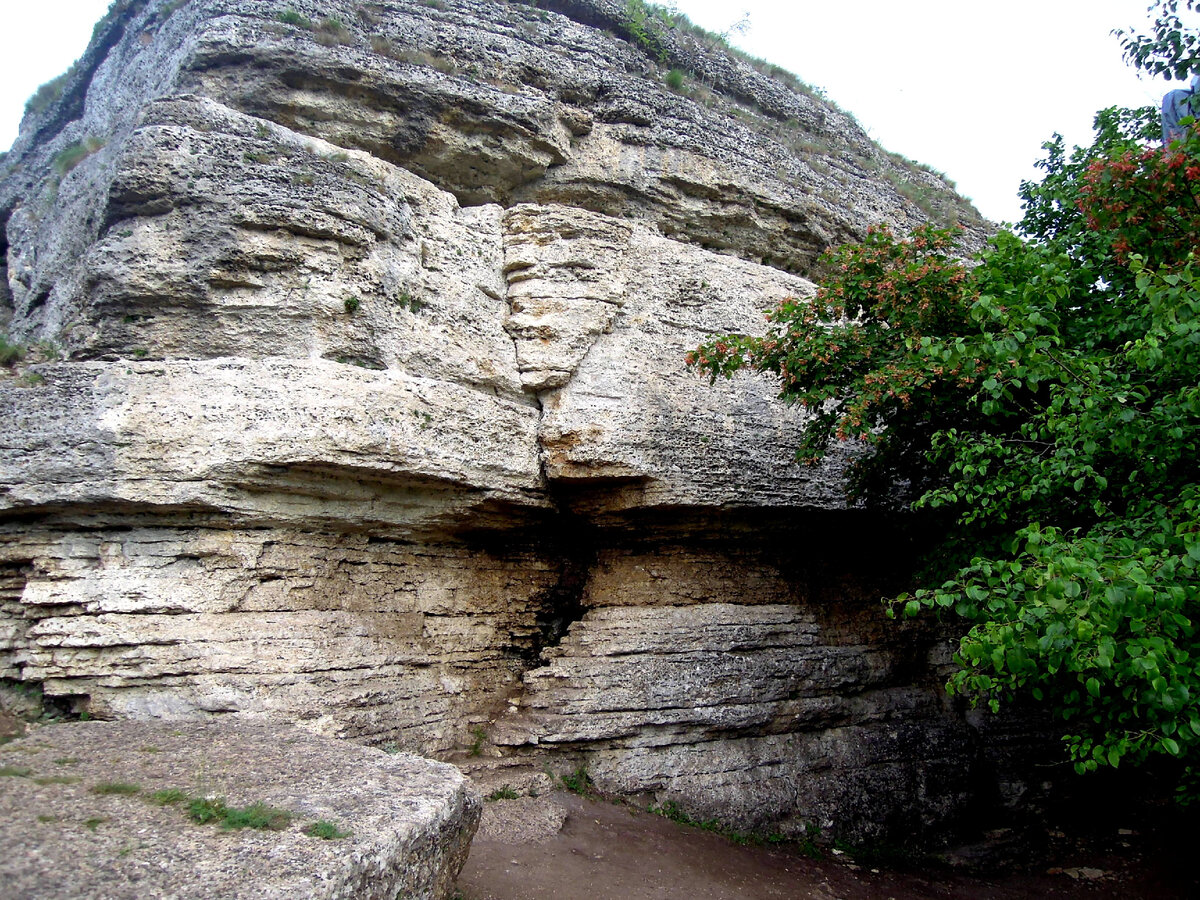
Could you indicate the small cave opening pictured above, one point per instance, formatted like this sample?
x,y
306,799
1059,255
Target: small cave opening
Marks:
x,y
574,546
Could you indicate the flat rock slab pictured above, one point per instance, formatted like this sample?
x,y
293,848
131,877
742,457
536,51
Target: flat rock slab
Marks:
x,y
79,817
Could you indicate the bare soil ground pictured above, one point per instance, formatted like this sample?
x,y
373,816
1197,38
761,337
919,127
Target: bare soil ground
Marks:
x,y
565,847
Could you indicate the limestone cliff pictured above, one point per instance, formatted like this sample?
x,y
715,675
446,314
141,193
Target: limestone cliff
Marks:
x,y
356,398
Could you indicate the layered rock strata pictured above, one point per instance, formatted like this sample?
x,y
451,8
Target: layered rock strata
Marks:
x,y
356,397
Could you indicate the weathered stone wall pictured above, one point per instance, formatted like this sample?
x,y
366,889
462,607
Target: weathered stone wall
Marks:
x,y
370,410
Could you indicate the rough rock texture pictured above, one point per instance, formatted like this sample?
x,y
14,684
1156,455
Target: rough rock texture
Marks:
x,y
81,819
356,397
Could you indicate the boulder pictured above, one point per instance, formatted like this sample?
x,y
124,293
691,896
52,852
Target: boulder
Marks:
x,y
114,810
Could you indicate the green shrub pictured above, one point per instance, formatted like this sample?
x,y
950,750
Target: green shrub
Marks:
x,y
46,95
647,24
675,79
203,810
1041,406
406,300
10,353
351,304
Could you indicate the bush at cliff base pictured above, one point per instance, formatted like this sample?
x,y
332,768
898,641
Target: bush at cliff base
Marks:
x,y
1046,402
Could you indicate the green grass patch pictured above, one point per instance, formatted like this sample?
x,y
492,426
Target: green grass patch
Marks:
x,y
325,830
203,810
331,31
94,822
504,793
291,17
11,352
119,788
167,797
671,810
58,779
15,771
579,782
71,156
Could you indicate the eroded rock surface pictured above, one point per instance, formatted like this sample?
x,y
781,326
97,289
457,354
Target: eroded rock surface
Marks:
x,y
356,397
99,809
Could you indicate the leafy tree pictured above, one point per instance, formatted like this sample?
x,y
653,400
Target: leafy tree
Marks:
x,y
1046,400
1172,50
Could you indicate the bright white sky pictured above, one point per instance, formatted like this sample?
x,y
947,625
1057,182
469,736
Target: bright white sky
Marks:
x,y
971,87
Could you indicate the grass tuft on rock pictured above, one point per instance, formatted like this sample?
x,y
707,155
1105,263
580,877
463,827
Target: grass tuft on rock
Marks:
x,y
203,810
119,788
325,830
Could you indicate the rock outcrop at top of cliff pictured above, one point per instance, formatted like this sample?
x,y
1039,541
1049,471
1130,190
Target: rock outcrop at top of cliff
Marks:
x,y
356,398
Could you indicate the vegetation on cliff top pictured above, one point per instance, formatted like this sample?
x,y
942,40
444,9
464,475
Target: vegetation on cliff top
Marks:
x,y
1045,403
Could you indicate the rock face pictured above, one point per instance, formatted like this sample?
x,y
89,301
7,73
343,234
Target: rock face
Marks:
x,y
87,814
356,398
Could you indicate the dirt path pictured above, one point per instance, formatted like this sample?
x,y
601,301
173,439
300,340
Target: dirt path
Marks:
x,y
564,847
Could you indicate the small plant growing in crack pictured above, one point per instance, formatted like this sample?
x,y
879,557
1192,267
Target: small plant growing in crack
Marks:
x,y
503,793
480,736
579,782
405,300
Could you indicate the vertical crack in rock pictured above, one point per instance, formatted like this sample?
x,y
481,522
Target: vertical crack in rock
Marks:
x,y
562,605
545,250
6,297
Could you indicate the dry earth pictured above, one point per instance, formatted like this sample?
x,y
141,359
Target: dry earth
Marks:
x,y
607,851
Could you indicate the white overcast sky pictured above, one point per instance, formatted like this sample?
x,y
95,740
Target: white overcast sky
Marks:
x,y
971,87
